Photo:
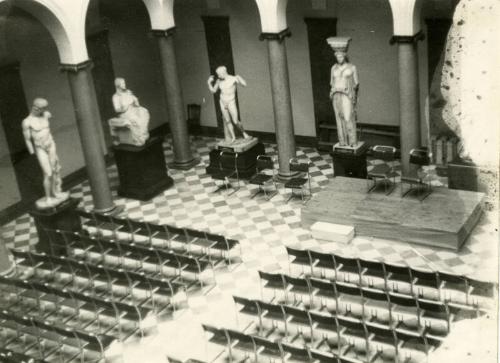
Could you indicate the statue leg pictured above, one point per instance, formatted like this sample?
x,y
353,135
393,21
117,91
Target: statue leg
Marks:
x,y
339,119
350,122
233,110
227,122
44,161
56,182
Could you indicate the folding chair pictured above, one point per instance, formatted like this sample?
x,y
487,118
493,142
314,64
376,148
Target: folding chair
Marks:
x,y
224,245
329,331
481,293
352,298
249,307
276,282
299,287
224,175
355,336
241,342
385,343
384,172
426,284
323,357
418,181
299,182
349,268
373,274
406,312
296,354
415,348
325,262
269,349
399,278
436,318
377,306
454,288
326,291
299,257
275,314
262,178
301,320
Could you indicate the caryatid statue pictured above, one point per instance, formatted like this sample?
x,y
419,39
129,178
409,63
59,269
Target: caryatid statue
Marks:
x,y
39,140
131,125
226,84
344,92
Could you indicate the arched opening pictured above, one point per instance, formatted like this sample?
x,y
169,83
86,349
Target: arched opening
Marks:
x,y
30,59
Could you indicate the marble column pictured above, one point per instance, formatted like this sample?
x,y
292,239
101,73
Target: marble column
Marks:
x,y
409,100
183,157
88,121
282,102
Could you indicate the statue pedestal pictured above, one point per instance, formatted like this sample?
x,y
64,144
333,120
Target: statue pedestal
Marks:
x,y
239,145
350,161
142,170
63,217
245,163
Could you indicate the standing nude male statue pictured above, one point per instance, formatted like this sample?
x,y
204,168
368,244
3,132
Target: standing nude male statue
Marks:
x,y
39,140
226,84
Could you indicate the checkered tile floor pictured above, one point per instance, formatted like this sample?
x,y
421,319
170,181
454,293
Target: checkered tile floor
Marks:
x,y
263,228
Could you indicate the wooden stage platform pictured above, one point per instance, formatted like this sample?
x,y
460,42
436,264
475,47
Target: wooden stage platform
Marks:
x,y
444,219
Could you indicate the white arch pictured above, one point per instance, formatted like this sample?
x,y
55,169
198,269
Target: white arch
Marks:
x,y
161,14
65,21
272,15
406,16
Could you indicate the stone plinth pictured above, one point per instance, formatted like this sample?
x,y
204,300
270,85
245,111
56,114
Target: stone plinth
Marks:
x,y
142,170
350,162
239,145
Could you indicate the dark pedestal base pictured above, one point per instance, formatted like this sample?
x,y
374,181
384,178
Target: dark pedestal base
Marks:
x,y
142,170
245,163
63,217
350,165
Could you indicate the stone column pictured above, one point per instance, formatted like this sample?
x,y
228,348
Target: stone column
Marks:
x,y
183,157
88,121
409,100
282,103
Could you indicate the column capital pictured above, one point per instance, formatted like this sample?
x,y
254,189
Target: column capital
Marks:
x,y
75,68
407,38
272,15
406,16
164,32
276,36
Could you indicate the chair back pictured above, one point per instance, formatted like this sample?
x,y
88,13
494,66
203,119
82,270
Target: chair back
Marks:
x,y
296,165
264,162
384,152
228,158
420,156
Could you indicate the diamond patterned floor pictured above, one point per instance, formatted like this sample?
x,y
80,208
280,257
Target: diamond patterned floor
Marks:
x,y
263,228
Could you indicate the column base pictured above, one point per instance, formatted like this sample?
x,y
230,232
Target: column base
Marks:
x,y
186,165
285,177
111,211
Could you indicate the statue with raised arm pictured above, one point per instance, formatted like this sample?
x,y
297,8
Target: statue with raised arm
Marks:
x,y
131,124
227,84
39,141
344,92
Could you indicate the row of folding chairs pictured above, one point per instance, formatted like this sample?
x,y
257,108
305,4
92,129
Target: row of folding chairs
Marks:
x,y
402,312
173,237
72,308
137,289
10,356
433,285
337,334
156,262
44,340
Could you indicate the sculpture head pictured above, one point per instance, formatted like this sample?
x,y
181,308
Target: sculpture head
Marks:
x,y
221,72
39,106
341,57
120,84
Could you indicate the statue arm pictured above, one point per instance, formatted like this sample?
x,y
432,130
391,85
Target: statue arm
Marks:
x,y
356,83
27,137
331,83
241,81
213,87
117,105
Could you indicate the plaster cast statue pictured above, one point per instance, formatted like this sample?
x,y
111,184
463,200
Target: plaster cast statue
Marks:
x,y
344,92
131,125
226,84
39,140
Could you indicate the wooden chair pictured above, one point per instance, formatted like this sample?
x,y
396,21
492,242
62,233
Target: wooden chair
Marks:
x,y
419,183
262,178
383,173
225,174
300,182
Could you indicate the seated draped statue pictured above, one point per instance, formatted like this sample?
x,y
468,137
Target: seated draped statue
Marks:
x,y
344,92
39,141
131,124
